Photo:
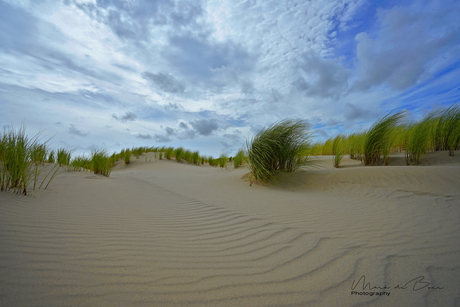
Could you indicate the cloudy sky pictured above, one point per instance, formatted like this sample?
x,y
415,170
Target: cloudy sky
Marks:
x,y
207,75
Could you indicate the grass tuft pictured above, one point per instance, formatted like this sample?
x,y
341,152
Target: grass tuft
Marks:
x,y
238,160
101,162
379,139
127,156
338,150
21,161
179,153
222,161
278,148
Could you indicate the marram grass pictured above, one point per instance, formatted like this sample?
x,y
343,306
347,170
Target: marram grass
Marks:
x,y
101,162
169,153
178,153
449,129
127,156
417,139
437,131
238,160
278,148
63,156
22,161
379,139
222,161
338,150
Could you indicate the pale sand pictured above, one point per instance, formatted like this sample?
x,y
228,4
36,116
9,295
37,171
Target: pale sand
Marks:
x,y
162,233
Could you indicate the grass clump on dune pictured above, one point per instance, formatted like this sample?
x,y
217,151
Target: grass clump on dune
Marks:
x,y
179,153
222,160
418,138
379,139
51,157
188,156
169,153
356,145
22,161
449,129
63,156
338,150
80,163
278,148
196,159
212,161
127,156
238,160
101,162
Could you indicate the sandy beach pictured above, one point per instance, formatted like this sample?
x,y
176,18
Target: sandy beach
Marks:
x,y
162,233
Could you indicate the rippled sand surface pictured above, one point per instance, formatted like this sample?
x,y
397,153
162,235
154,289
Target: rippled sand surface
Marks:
x,y
162,233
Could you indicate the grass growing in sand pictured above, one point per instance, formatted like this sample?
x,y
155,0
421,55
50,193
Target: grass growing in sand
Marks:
x,y
169,153
417,136
278,148
379,139
51,157
281,147
101,163
238,160
222,160
22,160
448,128
127,156
196,159
437,131
178,153
338,150
63,156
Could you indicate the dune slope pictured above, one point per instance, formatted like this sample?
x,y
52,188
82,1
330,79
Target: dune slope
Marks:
x,y
165,234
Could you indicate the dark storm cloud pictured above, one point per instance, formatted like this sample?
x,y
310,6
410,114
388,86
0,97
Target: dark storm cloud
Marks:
x,y
332,122
144,136
128,117
186,135
322,133
205,126
73,130
165,82
124,67
161,138
183,125
170,131
353,112
173,106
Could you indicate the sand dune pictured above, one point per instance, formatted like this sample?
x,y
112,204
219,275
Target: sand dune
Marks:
x,y
163,233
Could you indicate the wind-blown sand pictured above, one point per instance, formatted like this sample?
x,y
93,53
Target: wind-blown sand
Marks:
x,y
162,233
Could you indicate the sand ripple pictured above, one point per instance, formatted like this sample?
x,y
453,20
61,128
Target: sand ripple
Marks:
x,y
134,240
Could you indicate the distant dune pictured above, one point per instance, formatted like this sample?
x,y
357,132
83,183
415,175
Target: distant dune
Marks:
x,y
162,233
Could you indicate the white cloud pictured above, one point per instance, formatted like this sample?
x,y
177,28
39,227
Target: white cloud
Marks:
x,y
409,41
203,69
